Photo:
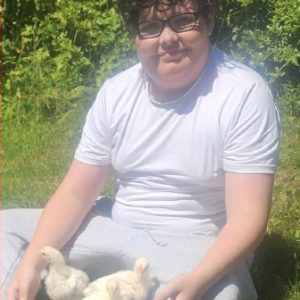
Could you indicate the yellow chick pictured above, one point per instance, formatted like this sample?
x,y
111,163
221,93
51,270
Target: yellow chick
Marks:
x,y
110,292
133,285
63,282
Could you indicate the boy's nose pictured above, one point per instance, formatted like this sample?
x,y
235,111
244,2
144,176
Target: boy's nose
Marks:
x,y
168,36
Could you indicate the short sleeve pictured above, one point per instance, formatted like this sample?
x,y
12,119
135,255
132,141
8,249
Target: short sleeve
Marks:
x,y
95,143
251,143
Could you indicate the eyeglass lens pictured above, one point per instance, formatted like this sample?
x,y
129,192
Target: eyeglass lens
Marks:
x,y
178,23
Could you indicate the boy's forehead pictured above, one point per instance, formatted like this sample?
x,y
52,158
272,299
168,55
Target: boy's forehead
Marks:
x,y
165,11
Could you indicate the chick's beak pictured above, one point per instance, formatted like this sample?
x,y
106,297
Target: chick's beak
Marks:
x,y
44,256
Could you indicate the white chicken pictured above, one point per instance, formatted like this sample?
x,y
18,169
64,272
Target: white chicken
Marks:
x,y
63,282
111,292
133,285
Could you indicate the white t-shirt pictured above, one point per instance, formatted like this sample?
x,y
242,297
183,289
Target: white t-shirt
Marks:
x,y
170,158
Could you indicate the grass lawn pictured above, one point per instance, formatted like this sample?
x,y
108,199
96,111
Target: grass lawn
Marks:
x,y
36,157
277,266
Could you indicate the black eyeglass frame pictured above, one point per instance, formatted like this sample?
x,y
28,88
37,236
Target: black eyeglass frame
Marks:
x,y
197,15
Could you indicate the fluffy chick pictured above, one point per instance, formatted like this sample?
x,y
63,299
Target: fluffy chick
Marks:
x,y
63,282
134,285
110,292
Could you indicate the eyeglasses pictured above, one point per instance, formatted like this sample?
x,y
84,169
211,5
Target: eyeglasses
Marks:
x,y
179,23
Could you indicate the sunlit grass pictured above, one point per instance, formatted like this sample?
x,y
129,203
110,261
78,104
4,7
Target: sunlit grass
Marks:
x,y
285,218
277,266
36,157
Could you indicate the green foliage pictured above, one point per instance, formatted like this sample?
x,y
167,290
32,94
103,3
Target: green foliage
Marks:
x,y
290,99
53,51
57,52
265,34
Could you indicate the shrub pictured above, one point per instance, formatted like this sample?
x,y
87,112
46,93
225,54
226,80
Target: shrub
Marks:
x,y
265,34
53,51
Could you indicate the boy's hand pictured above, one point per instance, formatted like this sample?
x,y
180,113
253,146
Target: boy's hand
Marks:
x,y
182,287
24,285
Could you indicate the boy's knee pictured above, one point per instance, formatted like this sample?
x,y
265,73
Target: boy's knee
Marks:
x,y
20,222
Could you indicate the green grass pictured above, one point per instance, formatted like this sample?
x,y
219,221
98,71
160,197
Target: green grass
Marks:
x,y
35,159
37,155
277,266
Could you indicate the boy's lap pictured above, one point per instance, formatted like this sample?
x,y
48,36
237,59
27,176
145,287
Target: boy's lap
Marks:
x,y
101,247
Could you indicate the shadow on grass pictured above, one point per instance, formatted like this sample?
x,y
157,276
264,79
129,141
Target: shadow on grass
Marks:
x,y
275,267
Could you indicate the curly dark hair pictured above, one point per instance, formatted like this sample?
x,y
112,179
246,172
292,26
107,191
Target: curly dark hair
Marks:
x,y
130,10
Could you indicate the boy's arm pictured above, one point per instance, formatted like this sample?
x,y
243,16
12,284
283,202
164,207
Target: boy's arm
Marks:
x,y
248,201
60,219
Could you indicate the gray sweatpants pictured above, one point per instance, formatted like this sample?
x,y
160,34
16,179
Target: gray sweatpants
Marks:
x,y
101,247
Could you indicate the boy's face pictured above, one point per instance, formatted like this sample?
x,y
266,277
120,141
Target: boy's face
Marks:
x,y
175,60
